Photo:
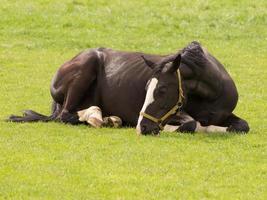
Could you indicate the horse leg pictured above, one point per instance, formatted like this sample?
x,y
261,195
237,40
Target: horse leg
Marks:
x,y
77,90
210,128
91,115
231,124
182,122
74,97
236,124
194,126
186,124
68,113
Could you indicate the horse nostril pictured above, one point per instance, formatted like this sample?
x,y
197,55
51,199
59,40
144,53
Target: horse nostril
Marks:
x,y
156,131
143,129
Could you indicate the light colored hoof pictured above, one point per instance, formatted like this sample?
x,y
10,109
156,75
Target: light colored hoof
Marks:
x,y
112,121
92,116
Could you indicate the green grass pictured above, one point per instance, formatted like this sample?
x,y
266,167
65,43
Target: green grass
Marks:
x,y
56,161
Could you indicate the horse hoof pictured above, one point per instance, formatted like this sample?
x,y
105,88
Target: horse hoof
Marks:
x,y
112,121
238,128
188,127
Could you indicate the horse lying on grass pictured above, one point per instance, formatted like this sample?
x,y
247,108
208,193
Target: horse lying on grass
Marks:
x,y
187,91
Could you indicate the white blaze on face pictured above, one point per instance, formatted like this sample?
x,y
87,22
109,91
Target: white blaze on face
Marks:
x,y
149,100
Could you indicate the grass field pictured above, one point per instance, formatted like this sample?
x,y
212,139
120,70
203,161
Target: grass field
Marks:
x,y
56,161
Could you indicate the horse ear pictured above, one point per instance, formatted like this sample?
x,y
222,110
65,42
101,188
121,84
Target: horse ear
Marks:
x,y
175,63
149,63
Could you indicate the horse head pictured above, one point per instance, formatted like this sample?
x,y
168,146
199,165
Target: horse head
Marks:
x,y
163,95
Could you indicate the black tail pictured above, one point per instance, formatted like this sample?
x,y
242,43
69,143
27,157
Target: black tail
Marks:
x,y
31,116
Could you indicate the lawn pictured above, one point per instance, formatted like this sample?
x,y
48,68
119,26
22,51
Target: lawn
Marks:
x,y
57,161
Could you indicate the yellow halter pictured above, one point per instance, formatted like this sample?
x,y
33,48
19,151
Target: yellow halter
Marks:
x,y
172,111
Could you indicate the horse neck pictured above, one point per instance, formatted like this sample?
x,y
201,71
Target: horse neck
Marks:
x,y
197,85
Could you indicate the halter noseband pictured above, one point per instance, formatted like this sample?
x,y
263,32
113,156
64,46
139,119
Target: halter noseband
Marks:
x,y
174,109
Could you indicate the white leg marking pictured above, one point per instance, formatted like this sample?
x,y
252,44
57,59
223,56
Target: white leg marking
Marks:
x,y
210,129
149,99
92,116
199,128
170,128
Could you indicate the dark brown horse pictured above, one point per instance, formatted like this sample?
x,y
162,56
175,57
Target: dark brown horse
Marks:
x,y
125,83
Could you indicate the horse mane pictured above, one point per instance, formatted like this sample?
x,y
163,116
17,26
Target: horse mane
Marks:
x,y
193,54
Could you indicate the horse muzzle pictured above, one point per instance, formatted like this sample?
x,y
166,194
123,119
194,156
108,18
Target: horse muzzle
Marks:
x,y
147,127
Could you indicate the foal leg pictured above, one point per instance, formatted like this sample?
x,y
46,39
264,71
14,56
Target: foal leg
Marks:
x,y
236,124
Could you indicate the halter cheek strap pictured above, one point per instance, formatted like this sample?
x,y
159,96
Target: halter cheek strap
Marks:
x,y
173,110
